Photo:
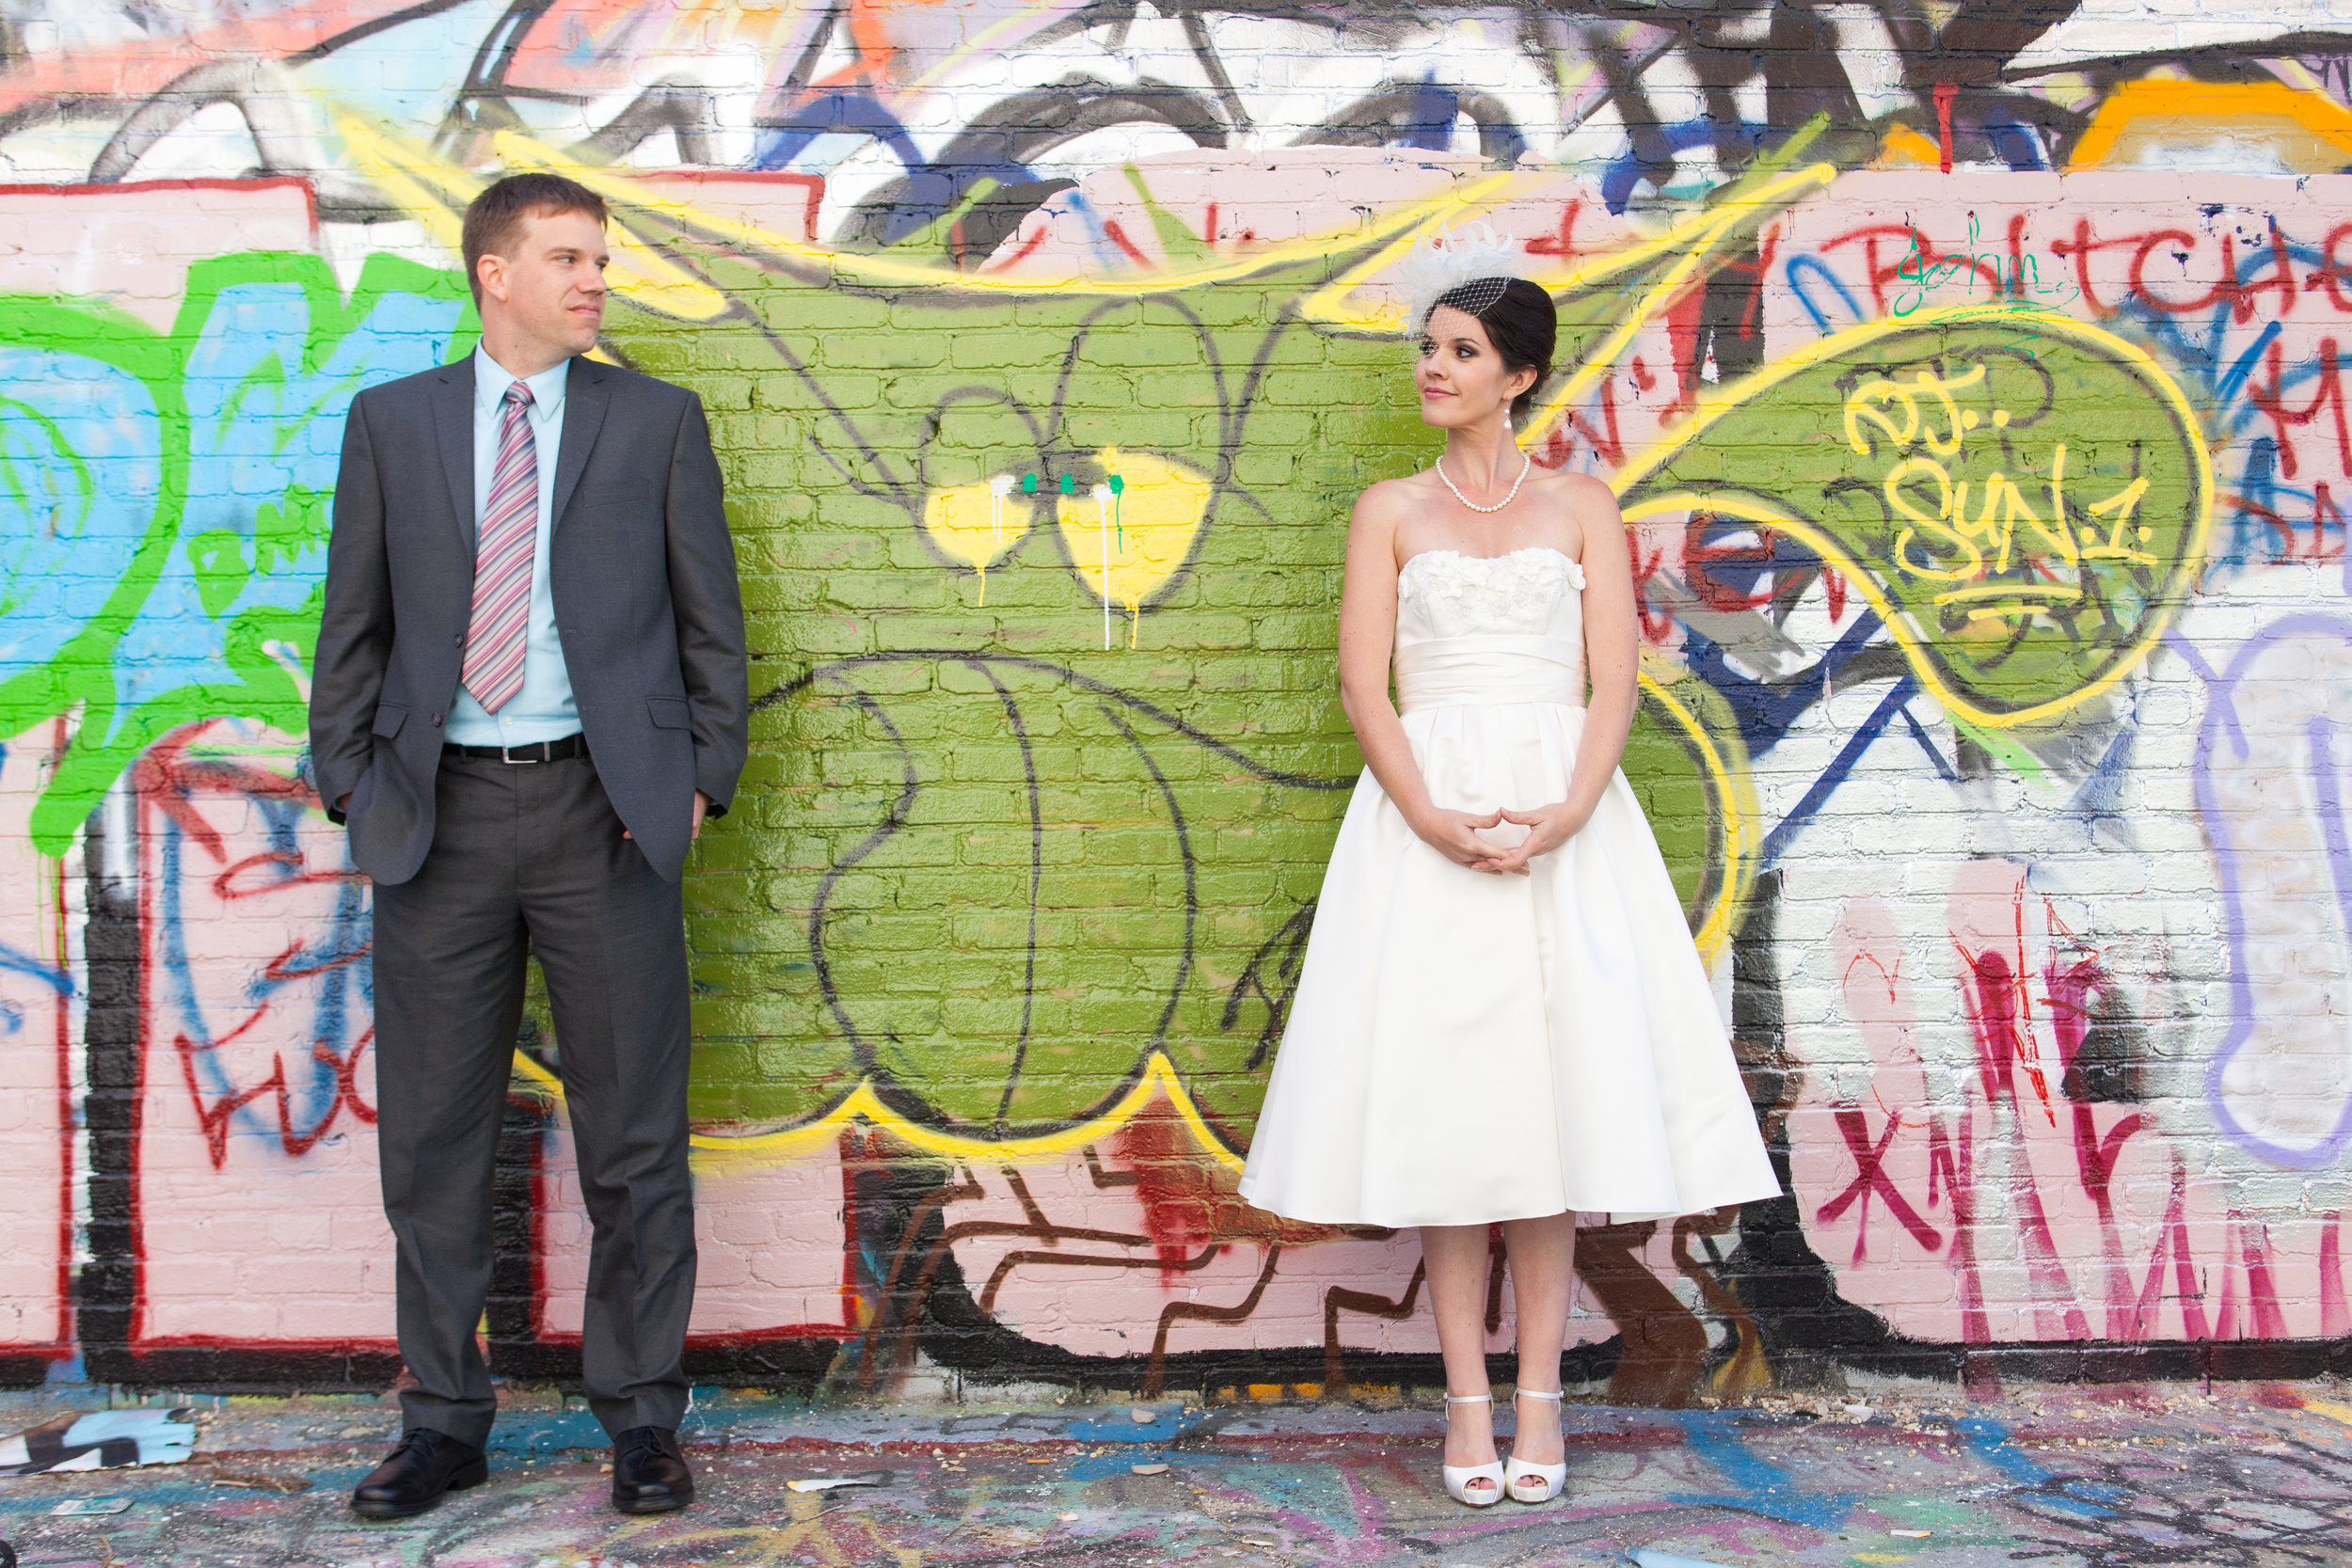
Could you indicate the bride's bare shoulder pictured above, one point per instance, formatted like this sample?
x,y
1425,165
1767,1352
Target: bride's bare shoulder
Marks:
x,y
1572,486
1586,498
1392,498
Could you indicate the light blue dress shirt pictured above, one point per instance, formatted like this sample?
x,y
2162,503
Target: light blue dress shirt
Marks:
x,y
543,709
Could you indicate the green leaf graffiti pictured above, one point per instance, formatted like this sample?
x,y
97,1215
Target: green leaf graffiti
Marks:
x,y
2025,499
993,870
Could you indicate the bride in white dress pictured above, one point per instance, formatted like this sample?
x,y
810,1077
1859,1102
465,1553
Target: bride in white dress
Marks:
x,y
1501,1018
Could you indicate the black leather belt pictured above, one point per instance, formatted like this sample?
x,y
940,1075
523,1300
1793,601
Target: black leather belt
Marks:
x,y
538,750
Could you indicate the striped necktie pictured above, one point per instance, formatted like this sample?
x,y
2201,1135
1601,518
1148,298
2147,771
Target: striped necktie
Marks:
x,y
496,632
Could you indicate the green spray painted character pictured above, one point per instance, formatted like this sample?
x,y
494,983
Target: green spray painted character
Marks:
x,y
1010,878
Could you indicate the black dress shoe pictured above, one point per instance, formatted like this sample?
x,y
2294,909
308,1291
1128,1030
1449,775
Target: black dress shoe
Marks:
x,y
649,1475
413,1477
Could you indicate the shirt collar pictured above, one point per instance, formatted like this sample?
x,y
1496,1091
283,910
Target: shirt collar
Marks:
x,y
491,379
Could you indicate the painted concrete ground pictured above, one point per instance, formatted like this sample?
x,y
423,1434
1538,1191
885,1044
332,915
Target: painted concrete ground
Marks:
x,y
2150,1474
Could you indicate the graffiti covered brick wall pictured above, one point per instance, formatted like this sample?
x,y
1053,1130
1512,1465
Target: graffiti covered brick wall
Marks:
x,y
1972,379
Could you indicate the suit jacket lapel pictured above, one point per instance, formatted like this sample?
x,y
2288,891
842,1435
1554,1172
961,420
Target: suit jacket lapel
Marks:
x,y
452,426
585,398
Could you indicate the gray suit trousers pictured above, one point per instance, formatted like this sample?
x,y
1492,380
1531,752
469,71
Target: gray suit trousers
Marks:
x,y
529,858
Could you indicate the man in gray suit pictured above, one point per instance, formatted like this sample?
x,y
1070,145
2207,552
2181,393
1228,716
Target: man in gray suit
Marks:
x,y
529,691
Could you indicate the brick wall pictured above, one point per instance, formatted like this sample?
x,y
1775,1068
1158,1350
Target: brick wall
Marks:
x,y
1045,352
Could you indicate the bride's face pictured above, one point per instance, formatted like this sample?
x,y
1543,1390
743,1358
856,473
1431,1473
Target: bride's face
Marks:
x,y
1461,377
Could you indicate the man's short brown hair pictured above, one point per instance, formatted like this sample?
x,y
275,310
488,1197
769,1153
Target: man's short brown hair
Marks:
x,y
494,219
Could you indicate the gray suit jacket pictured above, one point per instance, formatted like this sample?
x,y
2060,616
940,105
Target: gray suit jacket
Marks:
x,y
645,602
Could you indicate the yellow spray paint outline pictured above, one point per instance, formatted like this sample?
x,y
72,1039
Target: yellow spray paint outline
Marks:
x,y
1692,238
861,269
1739,852
1916,649
434,188
1702,233
1158,1078
421,184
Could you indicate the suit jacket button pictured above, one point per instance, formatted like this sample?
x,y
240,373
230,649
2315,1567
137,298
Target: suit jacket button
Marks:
x,y
437,720
459,640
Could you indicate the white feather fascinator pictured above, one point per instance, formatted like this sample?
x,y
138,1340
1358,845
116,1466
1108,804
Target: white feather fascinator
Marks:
x,y
1444,260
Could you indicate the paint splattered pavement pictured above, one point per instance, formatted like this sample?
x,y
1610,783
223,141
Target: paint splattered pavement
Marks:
x,y
2142,1475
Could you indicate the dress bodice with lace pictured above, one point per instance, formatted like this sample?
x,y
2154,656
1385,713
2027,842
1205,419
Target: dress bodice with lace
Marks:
x,y
1486,629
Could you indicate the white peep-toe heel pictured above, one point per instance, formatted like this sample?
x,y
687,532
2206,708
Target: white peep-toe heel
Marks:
x,y
1535,1483
1458,1478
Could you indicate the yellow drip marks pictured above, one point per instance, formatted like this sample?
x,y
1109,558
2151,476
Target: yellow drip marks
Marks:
x,y
1126,547
975,525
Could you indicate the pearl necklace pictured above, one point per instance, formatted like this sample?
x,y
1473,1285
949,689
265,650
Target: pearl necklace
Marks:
x,y
1525,463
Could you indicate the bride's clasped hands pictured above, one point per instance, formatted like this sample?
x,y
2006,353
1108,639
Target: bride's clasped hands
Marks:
x,y
1548,828
1454,834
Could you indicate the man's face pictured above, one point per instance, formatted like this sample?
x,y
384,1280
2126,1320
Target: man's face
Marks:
x,y
550,288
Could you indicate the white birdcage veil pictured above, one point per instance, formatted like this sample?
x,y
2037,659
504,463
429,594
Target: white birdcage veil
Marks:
x,y
1472,257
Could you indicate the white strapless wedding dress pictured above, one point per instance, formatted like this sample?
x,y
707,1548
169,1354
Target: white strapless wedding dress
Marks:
x,y
1464,1048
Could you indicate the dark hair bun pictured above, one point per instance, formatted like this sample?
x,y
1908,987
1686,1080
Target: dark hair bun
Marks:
x,y
1521,322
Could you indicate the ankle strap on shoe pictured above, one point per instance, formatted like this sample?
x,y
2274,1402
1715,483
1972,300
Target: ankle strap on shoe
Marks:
x,y
1538,1394
1471,1398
